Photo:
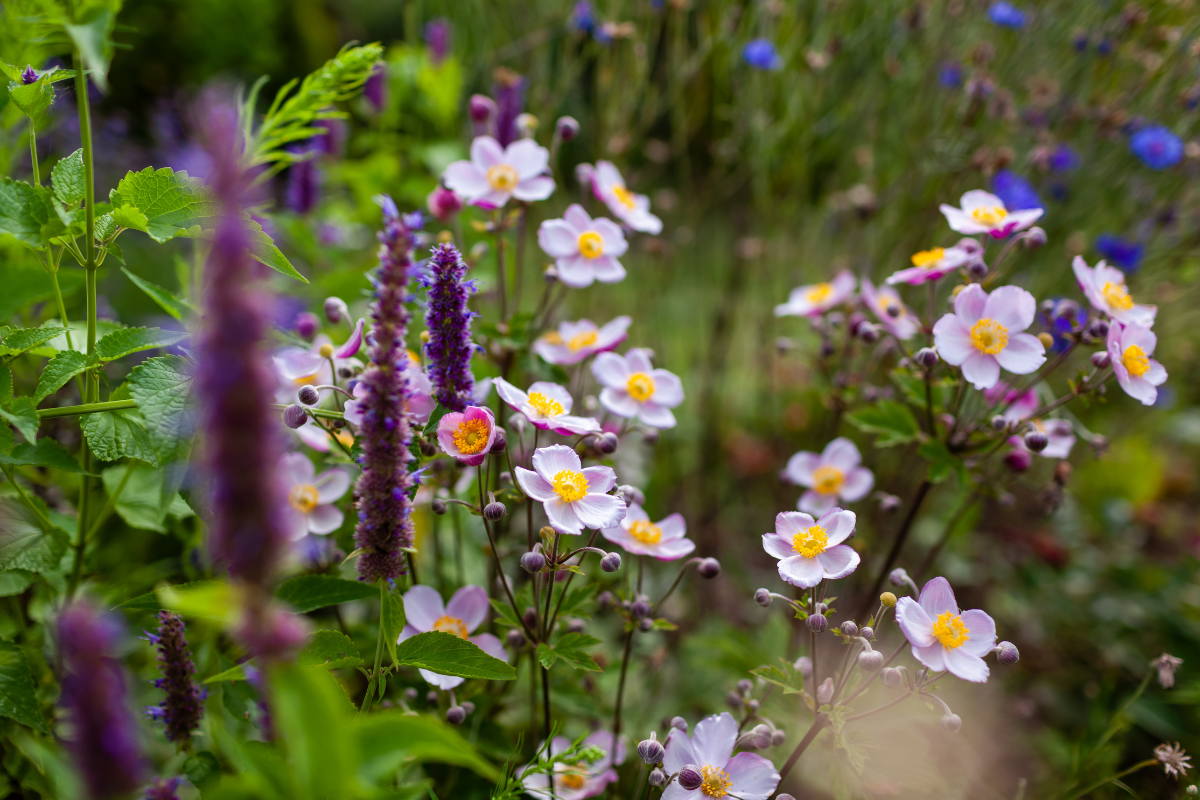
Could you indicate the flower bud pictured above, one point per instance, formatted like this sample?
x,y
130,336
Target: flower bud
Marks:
x,y
657,777
443,203
501,442
849,628
816,623
481,107
639,609
709,568
646,625
679,723
894,311
971,246
651,751
1099,329
606,443
431,697
690,777
1101,360
977,270
631,494
999,423
888,600
336,310
526,125
410,694
866,632
604,601
784,796
778,737
890,677
649,436
1035,238
495,512
575,626
438,506
804,664
294,416
532,561
734,700
825,691
927,357
1046,339
611,562
763,598
455,715
1007,653
870,661
530,616
567,128
762,736
889,504
516,639
1018,460
868,333
821,608
752,705
427,448
307,325
1192,790
745,685
898,576
952,722
855,322
1037,441
308,395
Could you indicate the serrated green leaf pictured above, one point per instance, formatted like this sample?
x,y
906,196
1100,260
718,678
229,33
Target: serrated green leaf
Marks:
x,y
93,38
78,336
34,100
392,619
170,202
329,649
45,453
309,592
785,676
266,252
161,387
23,339
446,654
166,300
127,216
22,413
62,368
26,544
104,227
118,434
67,180
134,340
27,213
14,581
139,502
569,648
504,614
17,697
892,422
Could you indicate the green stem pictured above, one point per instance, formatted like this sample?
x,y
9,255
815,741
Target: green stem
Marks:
x,y
374,681
37,512
62,308
33,156
86,408
1150,762
111,504
499,567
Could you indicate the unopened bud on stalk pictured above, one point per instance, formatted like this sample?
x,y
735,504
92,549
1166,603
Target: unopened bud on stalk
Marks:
x,y
690,777
969,245
869,333
999,423
308,395
977,270
1101,360
679,723
784,796
455,715
1046,339
898,576
825,691
816,623
631,494
1007,653
307,325
639,609
611,562
646,625
336,310
866,632
927,357
431,697
1099,329
533,561
804,664
745,685
438,506
709,568
516,639
889,503
1018,460
752,705
778,737
567,127
501,442
821,608
888,600
428,448
495,512
575,626
849,628
894,311
870,660
530,616
604,601
855,322
890,677
734,700
651,750
763,598
657,777
481,108
606,443
952,722
294,416
1037,441
1035,238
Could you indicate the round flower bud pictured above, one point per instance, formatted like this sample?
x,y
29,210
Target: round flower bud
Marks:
x,y
927,357
631,494
651,750
804,664
336,310
455,715
1101,360
605,600
745,685
1007,653
870,660
1018,460
294,416
527,125
690,777
1046,339
308,395
1099,329
438,506
611,562
898,576
709,568
307,325
679,723
889,504
650,436
1037,441
893,311
646,625
428,448
481,107
530,616
778,737
734,700
468,706
657,777
999,423
443,203
1035,238
816,623
869,333
606,443
516,639
495,512
784,796
752,705
431,697
501,442
890,677
866,632
821,608
763,598
325,350
825,691
532,561
952,722
977,270
567,128
639,609
855,322
1192,791
410,694
888,600
762,736
849,628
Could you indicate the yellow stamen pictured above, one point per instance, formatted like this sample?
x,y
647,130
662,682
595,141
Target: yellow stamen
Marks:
x,y
645,531
303,497
573,777
553,337
345,437
1117,296
591,244
581,340
640,386
570,485
950,630
819,293
715,781
989,336
989,215
1136,361
810,542
502,177
325,350
626,197
471,436
448,624
827,479
929,258
304,380
546,406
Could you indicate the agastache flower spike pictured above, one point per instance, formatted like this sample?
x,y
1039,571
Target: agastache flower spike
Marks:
x,y
385,526
181,708
449,322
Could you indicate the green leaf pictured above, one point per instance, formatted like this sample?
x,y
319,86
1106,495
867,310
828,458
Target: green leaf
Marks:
x,y
309,592
45,453
166,300
25,544
942,461
785,676
25,282
6,385
390,739
17,698
14,581
113,435
119,344
392,619
62,368
139,502
313,716
93,39
214,600
569,648
892,422
576,601
104,227
446,654
267,253
33,100
504,614
128,216
67,180
171,203
202,768
22,413
161,387
150,602
235,673
329,649
23,339
27,213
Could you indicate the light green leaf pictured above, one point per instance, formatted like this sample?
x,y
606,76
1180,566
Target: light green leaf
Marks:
x,y
392,619
309,592
17,698
313,716
166,300
14,581
23,339
161,387
446,654
64,366
127,216
331,650
25,544
33,100
78,334
389,739
118,434
119,344
93,38
27,213
105,227
170,202
785,676
234,673
6,386
139,502
22,413
892,422
26,282
67,180
213,600
267,253
46,453
569,648
150,602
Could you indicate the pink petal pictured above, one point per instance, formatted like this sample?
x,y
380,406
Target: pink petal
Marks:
x,y
599,511
534,485
1012,307
858,484
1023,354
295,469
838,561
638,360
534,189
443,682
668,389
527,157
965,665
511,394
789,523
555,392
325,519
914,622
799,469
680,752
841,453
562,516
801,571
466,179
982,370
549,461
600,479
558,238
960,221
970,303
656,415
486,152
576,271
614,237
777,546
611,370
937,598
612,333
751,776
671,550
295,523
713,739
352,344
838,525
607,269
422,606
618,402
331,485
981,632
816,503
952,338
490,645
932,656
673,527
470,604
577,218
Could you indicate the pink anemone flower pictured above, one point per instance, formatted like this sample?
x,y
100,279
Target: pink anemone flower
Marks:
x,y
985,333
465,612
885,304
467,435
834,474
746,776
942,638
632,209
311,497
584,249
931,265
574,498
576,781
815,299
984,212
575,341
633,388
811,551
494,174
665,539
547,406
1105,289
1129,349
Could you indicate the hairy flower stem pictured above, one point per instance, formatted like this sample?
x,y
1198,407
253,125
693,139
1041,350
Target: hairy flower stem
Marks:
x,y
33,156
373,682
566,586
817,726
1150,762
512,601
897,546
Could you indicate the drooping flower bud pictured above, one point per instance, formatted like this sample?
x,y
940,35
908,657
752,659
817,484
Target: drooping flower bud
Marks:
x,y
495,512
1099,329
709,568
1034,238
336,310
515,639
567,127
889,503
481,108
734,700
778,737
679,723
868,333
631,494
825,691
870,660
438,506
927,357
606,443
611,562
763,598
690,777
1018,460
307,325
1007,653
890,677
1037,441
817,623
575,626
651,750
455,715
898,576
308,395
999,423
443,203
294,416
1101,360
977,269
866,632
639,609
657,777
952,722
533,562
530,616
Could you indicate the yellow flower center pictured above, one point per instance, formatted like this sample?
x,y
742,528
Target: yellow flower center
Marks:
x,y
989,215
553,337
502,177
810,542
573,777
1117,296
819,293
304,380
715,782
591,244
989,336
471,436
303,497
345,437
950,630
581,340
570,485
1136,361
625,197
929,258
827,479
448,624
645,531
546,406
325,350
640,386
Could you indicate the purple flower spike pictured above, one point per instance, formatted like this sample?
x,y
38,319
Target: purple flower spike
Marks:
x,y
509,92
449,322
181,709
104,745
384,508
164,789
28,76
437,38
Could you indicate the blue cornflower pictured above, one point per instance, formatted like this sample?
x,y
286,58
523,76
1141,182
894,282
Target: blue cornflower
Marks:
x,y
1124,253
1064,159
1006,15
760,54
1157,147
1017,193
950,75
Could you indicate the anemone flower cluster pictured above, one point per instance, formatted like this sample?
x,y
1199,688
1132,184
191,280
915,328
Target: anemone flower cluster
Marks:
x,y
495,174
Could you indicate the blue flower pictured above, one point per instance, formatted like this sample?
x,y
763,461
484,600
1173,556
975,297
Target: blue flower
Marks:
x,y
950,75
1017,193
1006,15
1064,159
1157,147
582,18
1125,253
760,54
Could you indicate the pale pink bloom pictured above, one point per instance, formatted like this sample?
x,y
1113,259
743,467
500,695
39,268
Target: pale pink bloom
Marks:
x,y
547,406
985,333
811,551
931,265
584,249
746,776
983,212
495,174
633,388
576,781
299,366
1129,348
1105,289
834,474
1058,431
885,302
574,498
311,497
465,612
467,435
942,638
575,341
632,209
665,539
1020,404
421,401
815,299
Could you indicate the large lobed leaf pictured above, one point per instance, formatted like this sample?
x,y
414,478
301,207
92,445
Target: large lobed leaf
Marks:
x,y
161,203
126,341
447,654
17,698
161,387
309,592
27,213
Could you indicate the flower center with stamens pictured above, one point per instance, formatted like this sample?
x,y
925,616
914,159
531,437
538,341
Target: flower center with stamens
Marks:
x,y
950,631
471,436
715,782
546,406
448,624
570,485
303,497
573,777
625,197
989,215
553,337
645,531
345,437
827,479
810,542
502,177
582,340
989,336
640,386
819,293
929,258
305,380
1136,361
591,244
1117,296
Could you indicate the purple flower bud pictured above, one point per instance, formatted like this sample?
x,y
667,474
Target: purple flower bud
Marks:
x,y
817,623
495,512
784,796
999,423
604,601
336,310
709,568
1018,460
1007,653
181,706
443,203
307,325
530,616
927,357
952,722
500,443
657,777
849,628
889,503
825,691
567,127
533,562
898,576
763,598
29,76
679,723
481,108
1035,238
890,677
611,562
855,322
762,736
650,751
606,443
575,626
971,246
870,660
294,416
977,270
515,639
866,632
804,664
639,609
1099,328
455,715
468,707
1037,441
309,396
778,737
631,494
437,39
745,685
690,777
734,700
1101,360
